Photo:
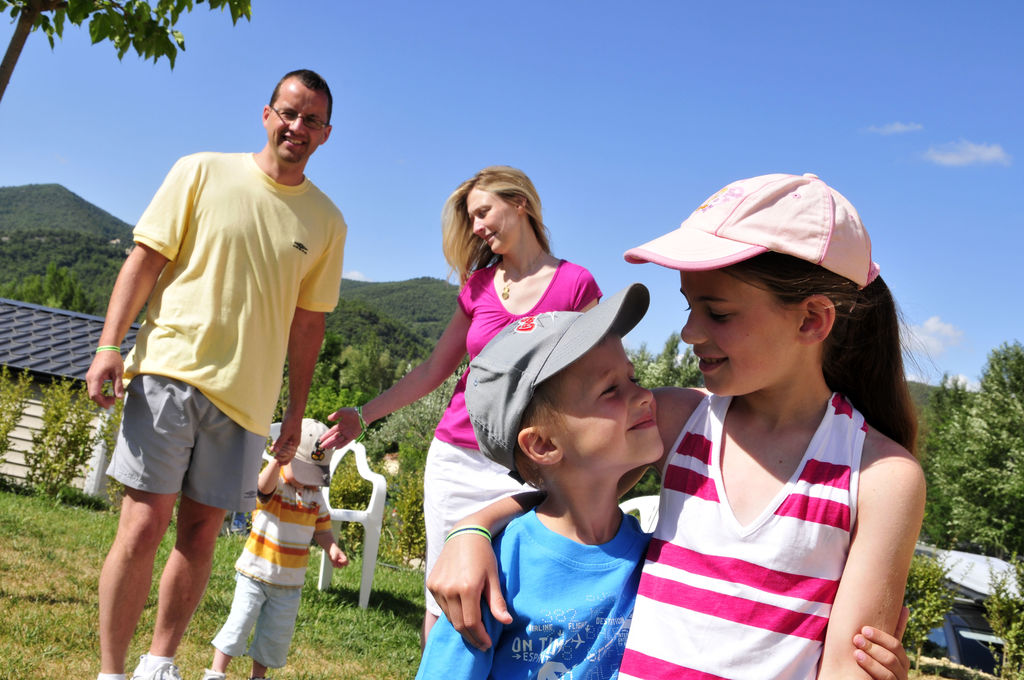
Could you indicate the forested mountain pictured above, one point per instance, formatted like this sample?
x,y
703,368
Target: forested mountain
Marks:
x,y
407,317
425,304
46,207
44,224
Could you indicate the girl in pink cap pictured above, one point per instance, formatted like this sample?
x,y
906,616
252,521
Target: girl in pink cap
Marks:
x,y
791,499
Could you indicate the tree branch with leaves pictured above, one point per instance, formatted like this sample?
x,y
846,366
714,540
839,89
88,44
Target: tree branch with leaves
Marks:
x,y
147,28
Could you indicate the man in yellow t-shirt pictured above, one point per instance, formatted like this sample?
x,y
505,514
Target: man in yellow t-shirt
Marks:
x,y
238,256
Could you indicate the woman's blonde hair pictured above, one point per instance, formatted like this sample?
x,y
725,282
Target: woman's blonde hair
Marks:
x,y
465,252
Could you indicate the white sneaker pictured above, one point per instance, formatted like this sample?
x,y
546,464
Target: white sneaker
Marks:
x,y
165,671
213,675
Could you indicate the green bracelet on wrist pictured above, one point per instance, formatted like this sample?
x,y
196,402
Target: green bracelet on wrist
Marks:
x,y
470,529
108,348
362,424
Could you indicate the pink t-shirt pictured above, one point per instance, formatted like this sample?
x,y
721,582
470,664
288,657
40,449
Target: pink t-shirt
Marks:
x,y
571,289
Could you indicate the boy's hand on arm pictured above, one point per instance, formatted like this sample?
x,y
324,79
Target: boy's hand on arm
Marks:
x,y
466,571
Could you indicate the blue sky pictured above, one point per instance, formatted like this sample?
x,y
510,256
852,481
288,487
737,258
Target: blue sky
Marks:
x,y
625,114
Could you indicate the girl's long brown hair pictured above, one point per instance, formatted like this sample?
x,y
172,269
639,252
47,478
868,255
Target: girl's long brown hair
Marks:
x,y
863,355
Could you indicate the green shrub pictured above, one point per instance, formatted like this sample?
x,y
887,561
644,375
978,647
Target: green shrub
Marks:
x,y
929,600
405,513
13,397
62,446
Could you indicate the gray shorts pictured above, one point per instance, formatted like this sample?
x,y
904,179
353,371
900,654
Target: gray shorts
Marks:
x,y
173,439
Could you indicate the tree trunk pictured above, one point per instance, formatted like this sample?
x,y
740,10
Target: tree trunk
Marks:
x,y
26,20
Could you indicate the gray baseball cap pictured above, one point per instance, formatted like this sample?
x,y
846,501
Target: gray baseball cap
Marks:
x,y
504,376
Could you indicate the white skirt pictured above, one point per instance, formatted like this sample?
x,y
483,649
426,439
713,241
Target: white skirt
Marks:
x,y
458,482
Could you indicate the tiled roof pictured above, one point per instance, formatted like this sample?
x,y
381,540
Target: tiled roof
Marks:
x,y
50,341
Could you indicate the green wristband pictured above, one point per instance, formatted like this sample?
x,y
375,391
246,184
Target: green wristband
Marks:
x,y
471,529
108,348
362,424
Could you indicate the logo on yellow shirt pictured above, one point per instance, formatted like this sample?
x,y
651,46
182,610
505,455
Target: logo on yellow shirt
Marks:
x,y
301,247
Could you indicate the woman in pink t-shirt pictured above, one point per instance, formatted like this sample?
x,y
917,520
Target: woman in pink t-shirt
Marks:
x,y
495,239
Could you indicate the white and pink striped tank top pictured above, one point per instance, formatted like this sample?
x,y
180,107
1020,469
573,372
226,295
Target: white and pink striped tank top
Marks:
x,y
720,600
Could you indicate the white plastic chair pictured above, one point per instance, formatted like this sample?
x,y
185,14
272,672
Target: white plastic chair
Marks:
x,y
372,518
646,507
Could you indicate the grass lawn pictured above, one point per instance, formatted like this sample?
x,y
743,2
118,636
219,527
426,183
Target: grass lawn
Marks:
x,y
50,559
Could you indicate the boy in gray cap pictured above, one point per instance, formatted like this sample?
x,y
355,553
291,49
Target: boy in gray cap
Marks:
x,y
553,398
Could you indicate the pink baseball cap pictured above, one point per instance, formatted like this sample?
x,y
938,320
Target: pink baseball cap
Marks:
x,y
797,215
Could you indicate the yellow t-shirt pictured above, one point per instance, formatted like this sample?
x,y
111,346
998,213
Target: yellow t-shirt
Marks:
x,y
244,252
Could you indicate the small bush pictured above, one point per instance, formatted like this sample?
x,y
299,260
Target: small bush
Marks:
x,y
929,600
63,445
405,516
13,396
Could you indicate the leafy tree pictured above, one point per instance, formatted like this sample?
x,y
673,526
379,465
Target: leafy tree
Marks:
x,y
370,369
94,262
1004,610
405,522
929,600
146,28
974,459
59,289
947,424
670,368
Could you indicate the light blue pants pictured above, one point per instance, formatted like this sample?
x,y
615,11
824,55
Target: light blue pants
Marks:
x,y
271,610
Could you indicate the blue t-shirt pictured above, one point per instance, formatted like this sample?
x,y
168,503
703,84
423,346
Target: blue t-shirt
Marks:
x,y
571,606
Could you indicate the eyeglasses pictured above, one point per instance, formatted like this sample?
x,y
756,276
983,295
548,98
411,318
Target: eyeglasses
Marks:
x,y
288,117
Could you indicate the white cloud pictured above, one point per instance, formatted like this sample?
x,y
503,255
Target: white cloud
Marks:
x,y
895,128
355,276
967,153
935,336
927,342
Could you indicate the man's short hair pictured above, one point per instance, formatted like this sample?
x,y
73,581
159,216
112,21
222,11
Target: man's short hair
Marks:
x,y
310,79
